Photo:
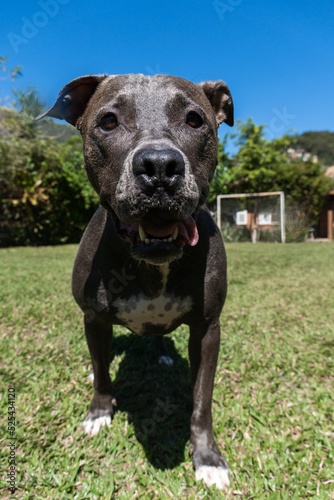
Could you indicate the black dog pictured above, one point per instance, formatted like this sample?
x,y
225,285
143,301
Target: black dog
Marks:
x,y
152,257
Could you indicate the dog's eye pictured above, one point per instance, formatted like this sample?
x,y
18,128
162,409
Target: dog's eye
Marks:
x,y
194,120
108,122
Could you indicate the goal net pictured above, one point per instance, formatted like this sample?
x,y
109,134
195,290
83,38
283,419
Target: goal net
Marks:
x,y
251,216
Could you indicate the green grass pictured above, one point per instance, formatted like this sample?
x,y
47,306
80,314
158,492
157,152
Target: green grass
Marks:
x,y
273,397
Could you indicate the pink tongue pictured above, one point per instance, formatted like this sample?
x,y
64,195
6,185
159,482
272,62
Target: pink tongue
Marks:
x,y
187,229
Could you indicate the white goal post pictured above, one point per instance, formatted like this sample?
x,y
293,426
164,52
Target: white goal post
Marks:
x,y
249,212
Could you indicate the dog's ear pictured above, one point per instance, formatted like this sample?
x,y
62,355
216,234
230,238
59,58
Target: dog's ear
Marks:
x,y
221,101
73,98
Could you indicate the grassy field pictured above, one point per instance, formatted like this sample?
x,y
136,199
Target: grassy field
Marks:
x,y
273,398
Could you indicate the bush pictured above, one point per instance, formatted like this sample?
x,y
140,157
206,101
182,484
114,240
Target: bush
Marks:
x,y
270,236
232,233
297,223
263,166
46,197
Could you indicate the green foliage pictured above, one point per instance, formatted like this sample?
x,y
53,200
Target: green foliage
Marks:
x,y
46,197
258,161
264,166
28,101
8,74
297,222
232,233
306,187
223,175
13,73
270,236
317,143
60,132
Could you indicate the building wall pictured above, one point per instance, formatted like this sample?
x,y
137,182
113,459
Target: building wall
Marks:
x,y
327,219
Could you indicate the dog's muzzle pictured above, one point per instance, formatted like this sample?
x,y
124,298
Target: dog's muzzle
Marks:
x,y
158,220
161,226
157,239
155,169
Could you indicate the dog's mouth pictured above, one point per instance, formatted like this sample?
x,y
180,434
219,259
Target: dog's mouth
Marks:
x,y
153,229
158,239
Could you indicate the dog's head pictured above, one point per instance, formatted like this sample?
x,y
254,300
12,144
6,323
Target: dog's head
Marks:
x,y
150,148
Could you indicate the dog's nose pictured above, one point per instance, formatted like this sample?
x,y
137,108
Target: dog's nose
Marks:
x,y
154,168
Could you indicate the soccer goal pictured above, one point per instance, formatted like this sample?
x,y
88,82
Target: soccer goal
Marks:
x,y
251,216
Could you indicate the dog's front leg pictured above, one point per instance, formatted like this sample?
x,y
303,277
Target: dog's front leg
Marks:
x,y
99,338
208,462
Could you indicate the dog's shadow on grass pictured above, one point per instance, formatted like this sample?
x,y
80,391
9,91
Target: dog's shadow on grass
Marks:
x,y
157,399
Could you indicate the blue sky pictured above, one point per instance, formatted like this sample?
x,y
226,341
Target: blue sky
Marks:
x,y
276,57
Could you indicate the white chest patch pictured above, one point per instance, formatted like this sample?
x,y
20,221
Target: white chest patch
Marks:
x,y
161,312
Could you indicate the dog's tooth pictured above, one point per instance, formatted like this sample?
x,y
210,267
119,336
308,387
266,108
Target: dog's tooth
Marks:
x,y
170,239
165,240
147,241
142,233
176,232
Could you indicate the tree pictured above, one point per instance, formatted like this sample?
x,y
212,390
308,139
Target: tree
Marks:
x,y
261,165
46,197
317,143
28,101
223,175
13,73
306,187
258,161
8,74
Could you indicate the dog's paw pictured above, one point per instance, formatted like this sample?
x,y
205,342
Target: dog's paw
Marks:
x,y
166,361
217,476
93,425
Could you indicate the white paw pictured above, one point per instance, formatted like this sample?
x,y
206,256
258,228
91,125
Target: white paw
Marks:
x,y
166,361
91,377
92,426
213,475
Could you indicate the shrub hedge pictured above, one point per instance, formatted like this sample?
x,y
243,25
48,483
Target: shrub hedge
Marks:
x,y
46,197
